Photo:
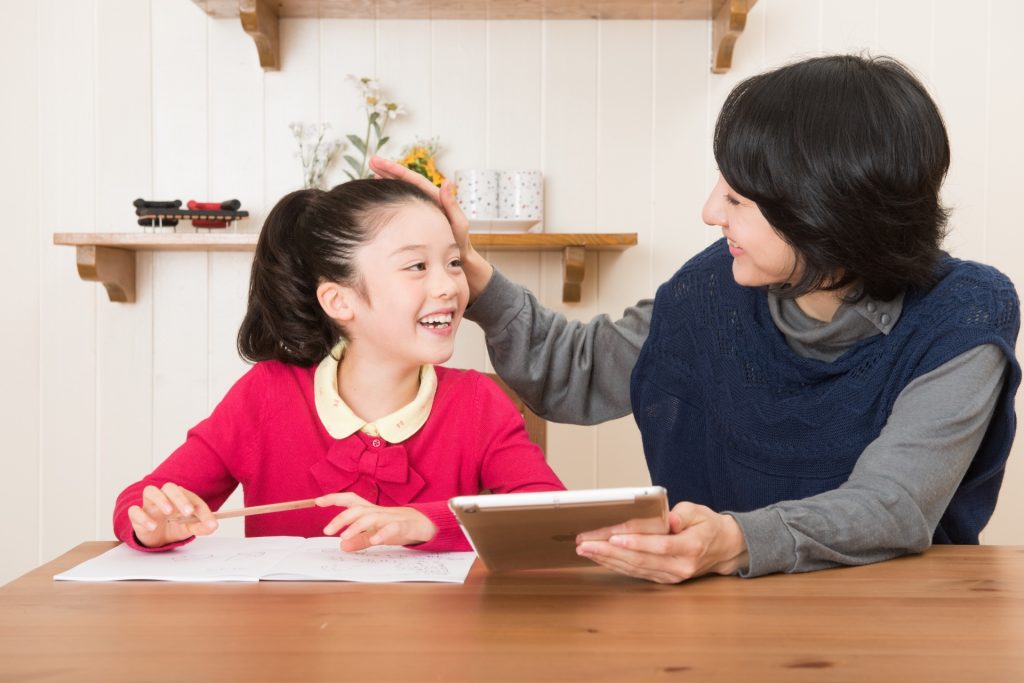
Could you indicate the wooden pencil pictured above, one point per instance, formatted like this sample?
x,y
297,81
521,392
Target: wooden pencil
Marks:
x,y
245,512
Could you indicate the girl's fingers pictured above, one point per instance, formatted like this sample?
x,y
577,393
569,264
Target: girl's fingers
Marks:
x,y
202,511
345,500
140,520
387,534
345,518
177,496
156,499
365,523
351,545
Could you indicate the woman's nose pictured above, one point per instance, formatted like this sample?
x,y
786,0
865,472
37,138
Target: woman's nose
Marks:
x,y
713,212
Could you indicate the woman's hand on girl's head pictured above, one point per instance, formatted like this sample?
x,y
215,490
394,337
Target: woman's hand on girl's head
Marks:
x,y
700,541
364,524
150,520
478,270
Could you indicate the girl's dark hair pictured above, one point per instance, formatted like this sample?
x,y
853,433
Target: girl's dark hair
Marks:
x,y
845,156
310,237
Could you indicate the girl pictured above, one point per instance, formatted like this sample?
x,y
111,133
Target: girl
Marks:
x,y
355,297
823,386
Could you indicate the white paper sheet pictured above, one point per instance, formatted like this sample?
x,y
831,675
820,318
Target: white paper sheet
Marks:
x,y
273,558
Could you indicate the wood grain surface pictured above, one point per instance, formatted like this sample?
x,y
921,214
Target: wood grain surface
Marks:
x,y
953,614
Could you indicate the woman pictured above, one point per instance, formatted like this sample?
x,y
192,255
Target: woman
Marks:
x,y
821,387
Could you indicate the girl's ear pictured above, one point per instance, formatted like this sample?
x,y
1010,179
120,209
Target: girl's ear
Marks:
x,y
336,300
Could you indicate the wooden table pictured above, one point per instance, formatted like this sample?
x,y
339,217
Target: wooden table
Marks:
x,y
954,614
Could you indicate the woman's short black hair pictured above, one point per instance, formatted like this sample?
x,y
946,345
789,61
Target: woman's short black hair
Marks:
x,y
310,237
844,156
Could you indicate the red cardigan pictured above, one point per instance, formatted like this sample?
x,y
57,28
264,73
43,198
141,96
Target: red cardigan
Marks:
x,y
266,435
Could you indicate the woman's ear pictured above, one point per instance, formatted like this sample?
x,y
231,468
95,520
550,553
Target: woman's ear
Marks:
x,y
336,300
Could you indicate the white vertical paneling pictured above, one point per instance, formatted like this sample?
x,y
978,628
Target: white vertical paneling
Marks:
x,y
514,69
791,30
289,95
848,27
1005,142
458,93
236,172
905,31
180,171
124,353
679,147
20,180
67,154
625,106
961,85
403,67
347,48
570,126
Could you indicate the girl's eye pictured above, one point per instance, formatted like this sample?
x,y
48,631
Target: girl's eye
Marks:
x,y
455,263
418,266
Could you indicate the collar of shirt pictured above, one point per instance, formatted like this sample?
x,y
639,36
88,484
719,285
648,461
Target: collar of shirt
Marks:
x,y
341,422
829,340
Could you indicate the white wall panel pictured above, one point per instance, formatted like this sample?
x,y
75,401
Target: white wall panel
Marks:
x,y
124,168
1005,142
346,48
67,331
180,171
960,82
20,180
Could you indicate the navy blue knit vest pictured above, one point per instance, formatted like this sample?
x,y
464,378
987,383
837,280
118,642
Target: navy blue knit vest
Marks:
x,y
734,419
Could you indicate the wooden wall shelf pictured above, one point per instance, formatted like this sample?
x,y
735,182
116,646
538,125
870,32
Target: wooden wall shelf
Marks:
x,y
260,17
108,257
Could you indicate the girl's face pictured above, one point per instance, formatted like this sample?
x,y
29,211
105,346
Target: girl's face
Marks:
x,y
760,255
415,290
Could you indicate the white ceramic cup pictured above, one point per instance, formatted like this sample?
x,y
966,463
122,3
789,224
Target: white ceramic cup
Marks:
x,y
478,192
521,195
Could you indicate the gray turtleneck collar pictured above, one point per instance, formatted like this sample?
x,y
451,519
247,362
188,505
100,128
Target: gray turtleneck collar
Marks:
x,y
827,341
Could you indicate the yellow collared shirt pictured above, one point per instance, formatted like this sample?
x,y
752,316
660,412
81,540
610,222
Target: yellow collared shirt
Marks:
x,y
341,422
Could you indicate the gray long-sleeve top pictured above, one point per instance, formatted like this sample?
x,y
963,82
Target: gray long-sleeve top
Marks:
x,y
569,371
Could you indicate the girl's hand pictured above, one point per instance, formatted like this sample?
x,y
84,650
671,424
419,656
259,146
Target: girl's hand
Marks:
x,y
370,524
170,500
699,541
478,270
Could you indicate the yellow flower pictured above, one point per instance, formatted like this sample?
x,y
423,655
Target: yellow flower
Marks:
x,y
420,158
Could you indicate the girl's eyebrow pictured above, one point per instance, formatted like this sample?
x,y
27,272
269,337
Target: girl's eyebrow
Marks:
x,y
408,247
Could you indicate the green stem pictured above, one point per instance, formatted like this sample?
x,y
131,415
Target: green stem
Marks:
x,y
366,149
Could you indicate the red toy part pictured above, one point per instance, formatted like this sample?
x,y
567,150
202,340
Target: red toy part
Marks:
x,y
204,223
203,206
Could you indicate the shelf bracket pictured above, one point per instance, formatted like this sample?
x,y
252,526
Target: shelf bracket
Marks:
x,y
115,268
727,26
259,20
573,269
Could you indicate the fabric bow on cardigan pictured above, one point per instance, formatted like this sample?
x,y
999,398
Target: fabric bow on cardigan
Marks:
x,y
354,464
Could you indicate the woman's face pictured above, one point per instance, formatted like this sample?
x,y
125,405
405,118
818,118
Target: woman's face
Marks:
x,y
760,255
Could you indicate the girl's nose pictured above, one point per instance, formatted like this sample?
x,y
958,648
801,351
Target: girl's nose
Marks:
x,y
444,286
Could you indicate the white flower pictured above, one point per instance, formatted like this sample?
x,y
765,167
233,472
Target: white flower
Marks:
x,y
392,110
367,86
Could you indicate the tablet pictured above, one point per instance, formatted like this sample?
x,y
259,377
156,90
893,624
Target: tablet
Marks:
x,y
538,530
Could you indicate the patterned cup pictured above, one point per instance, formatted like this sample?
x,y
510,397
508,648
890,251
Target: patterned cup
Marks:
x,y
521,195
478,192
